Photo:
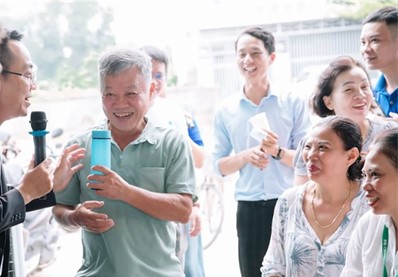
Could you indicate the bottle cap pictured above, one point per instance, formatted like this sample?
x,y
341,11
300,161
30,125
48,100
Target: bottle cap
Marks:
x,y
101,134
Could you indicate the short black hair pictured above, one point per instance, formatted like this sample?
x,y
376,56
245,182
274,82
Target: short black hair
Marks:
x,y
387,14
350,134
5,53
326,81
260,33
387,144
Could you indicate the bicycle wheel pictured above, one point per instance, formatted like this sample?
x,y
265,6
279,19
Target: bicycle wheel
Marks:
x,y
212,208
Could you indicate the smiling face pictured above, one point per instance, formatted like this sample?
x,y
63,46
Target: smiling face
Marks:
x,y
351,95
252,58
379,46
126,99
16,90
380,183
325,156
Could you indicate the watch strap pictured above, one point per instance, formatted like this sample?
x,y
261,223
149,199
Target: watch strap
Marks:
x,y
278,154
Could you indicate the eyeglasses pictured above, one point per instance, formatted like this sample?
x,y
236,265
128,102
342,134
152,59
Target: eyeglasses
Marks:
x,y
158,76
30,77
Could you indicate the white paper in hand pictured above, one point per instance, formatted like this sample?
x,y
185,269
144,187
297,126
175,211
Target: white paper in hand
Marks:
x,y
260,125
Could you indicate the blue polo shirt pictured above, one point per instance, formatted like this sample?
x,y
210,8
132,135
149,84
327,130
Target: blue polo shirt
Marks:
x,y
388,102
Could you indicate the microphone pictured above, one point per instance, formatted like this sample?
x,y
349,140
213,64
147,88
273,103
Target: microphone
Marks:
x,y
38,121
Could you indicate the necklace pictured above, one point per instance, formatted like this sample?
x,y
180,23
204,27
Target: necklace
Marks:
x,y
337,215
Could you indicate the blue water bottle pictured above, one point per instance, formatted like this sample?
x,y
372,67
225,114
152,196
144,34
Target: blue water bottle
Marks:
x,y
100,149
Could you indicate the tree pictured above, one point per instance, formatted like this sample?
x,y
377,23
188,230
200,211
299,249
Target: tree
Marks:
x,y
65,39
359,9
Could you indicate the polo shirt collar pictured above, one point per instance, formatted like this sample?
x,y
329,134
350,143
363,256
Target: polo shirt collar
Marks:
x,y
388,222
148,134
381,84
271,92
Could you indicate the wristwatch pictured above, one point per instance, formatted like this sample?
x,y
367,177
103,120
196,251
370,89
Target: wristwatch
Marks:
x,y
279,154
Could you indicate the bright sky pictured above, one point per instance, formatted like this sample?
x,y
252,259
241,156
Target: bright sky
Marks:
x,y
174,24
164,22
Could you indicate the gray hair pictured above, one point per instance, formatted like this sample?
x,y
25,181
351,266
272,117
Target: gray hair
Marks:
x,y
157,54
116,60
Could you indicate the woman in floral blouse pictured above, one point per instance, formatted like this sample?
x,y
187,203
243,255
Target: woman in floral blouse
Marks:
x,y
313,223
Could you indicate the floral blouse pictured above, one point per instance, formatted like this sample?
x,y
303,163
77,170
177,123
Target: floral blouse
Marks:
x,y
295,249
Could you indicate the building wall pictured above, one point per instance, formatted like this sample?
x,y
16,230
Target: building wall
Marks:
x,y
299,46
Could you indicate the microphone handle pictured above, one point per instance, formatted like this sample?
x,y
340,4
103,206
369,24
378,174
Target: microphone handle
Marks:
x,y
48,200
40,149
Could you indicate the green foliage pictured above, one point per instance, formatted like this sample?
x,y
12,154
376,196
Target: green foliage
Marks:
x,y
172,80
359,9
342,2
86,77
65,39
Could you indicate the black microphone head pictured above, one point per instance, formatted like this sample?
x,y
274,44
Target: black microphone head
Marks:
x,y
38,121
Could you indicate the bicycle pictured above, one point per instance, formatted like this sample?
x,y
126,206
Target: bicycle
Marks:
x,y
212,209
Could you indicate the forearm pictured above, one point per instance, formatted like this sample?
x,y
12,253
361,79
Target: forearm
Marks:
x,y
63,214
198,154
164,206
285,155
231,164
287,158
27,197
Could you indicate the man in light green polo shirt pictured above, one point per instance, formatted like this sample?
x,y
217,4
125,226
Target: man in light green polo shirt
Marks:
x,y
128,214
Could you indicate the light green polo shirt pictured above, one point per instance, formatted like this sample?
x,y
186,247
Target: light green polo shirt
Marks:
x,y
139,244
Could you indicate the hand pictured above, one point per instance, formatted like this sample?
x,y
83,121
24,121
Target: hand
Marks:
x,y
94,222
67,166
196,221
37,181
394,116
256,157
109,185
270,143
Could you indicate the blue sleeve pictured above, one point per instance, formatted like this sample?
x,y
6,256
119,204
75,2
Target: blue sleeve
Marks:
x,y
194,133
222,146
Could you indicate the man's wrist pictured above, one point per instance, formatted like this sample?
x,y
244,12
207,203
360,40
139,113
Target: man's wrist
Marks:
x,y
25,196
279,153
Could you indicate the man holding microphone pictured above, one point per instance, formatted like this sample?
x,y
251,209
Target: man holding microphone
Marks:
x,y
17,82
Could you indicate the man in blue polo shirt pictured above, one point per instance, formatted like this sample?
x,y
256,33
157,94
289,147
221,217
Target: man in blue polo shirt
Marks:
x,y
379,48
265,165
